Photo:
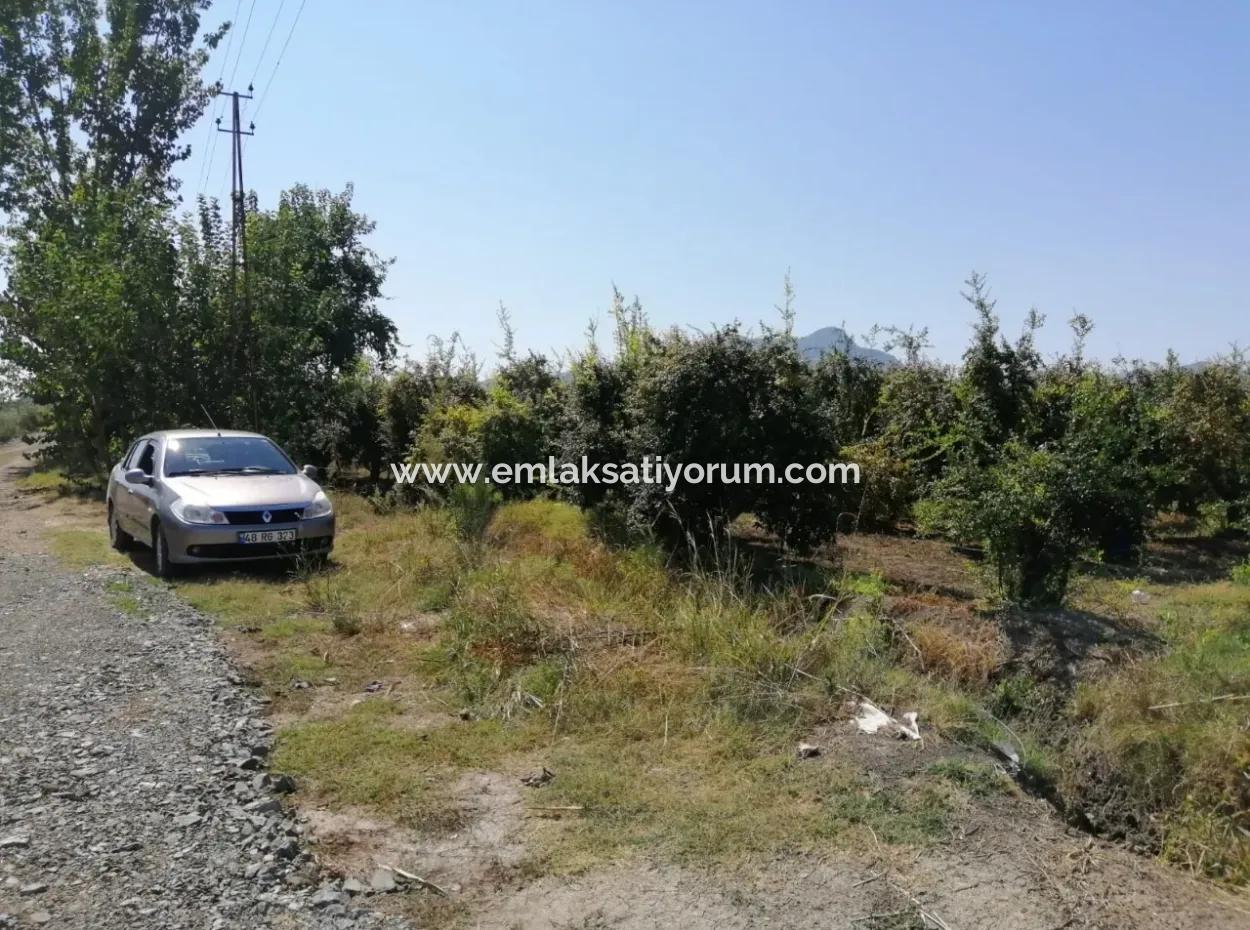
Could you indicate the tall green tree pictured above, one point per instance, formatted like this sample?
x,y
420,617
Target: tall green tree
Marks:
x,y
286,358
93,101
89,315
96,95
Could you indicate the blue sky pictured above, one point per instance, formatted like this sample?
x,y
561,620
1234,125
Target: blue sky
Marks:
x,y
1090,157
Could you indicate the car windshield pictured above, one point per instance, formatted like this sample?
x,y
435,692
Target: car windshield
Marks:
x,y
225,455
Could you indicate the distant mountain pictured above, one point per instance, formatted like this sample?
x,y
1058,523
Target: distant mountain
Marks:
x,y
834,339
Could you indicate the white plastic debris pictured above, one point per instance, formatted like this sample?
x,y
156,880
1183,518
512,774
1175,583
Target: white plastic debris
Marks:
x,y
909,726
872,719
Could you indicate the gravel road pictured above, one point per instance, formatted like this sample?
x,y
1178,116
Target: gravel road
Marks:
x,y
133,788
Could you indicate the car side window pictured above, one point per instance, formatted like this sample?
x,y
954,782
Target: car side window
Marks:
x,y
129,457
147,459
132,460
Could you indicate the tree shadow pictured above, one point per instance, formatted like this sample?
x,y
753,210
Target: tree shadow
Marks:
x,y
267,571
1066,645
1179,560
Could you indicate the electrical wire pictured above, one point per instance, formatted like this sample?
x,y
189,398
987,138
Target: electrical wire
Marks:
x,y
260,60
239,57
211,148
277,64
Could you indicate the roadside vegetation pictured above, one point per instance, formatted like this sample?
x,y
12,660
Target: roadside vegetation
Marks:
x,y
18,418
537,645
669,699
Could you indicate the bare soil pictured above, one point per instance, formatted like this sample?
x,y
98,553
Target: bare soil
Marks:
x,y
29,516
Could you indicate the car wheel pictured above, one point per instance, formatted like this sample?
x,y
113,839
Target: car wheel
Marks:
x,y
118,538
160,548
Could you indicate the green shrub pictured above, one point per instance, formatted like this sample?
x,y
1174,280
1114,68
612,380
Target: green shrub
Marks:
x,y
18,418
1023,508
722,398
472,506
1241,573
888,487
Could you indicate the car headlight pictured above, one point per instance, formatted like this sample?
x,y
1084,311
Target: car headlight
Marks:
x,y
320,507
194,513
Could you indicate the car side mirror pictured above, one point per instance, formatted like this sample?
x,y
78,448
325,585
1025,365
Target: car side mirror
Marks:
x,y
310,471
137,476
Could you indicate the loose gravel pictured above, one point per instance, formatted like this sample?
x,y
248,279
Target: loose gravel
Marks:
x,y
133,783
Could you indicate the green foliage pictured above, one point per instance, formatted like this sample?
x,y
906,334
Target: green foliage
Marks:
x,y
848,391
998,380
889,486
313,315
597,424
1204,418
1043,463
121,318
95,98
125,322
90,315
724,399
450,434
917,411
11,379
18,418
523,417
472,506
1241,574
449,377
353,427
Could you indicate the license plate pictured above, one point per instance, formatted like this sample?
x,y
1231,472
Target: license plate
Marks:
x,y
267,536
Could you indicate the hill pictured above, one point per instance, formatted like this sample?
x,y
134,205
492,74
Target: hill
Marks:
x,y
835,339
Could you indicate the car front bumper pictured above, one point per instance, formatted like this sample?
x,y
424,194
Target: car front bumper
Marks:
x,y
193,543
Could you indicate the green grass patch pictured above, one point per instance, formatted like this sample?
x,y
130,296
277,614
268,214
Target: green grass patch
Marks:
x,y
370,758
669,701
1240,574
121,594
979,779
242,599
1155,735
44,480
83,548
722,795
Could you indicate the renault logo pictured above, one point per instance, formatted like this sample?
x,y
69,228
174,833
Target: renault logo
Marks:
x,y
266,516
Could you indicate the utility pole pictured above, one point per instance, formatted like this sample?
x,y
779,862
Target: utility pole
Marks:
x,y
238,212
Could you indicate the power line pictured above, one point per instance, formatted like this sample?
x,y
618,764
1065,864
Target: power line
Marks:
x,y
260,59
269,35
248,25
277,64
212,149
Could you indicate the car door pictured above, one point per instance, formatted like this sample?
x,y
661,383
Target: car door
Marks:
x,y
135,501
146,494
117,484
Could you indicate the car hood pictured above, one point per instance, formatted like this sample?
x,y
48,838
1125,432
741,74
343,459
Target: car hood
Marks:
x,y
244,490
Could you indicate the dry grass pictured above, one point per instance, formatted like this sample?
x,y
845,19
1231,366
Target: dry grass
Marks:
x,y
965,649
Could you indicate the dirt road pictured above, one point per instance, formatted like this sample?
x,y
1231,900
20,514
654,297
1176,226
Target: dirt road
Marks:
x,y
132,788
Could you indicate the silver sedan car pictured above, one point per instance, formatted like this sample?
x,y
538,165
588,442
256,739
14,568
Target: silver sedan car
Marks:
x,y
215,496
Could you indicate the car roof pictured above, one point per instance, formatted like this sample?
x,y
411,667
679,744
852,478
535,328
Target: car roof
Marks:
x,y
201,433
